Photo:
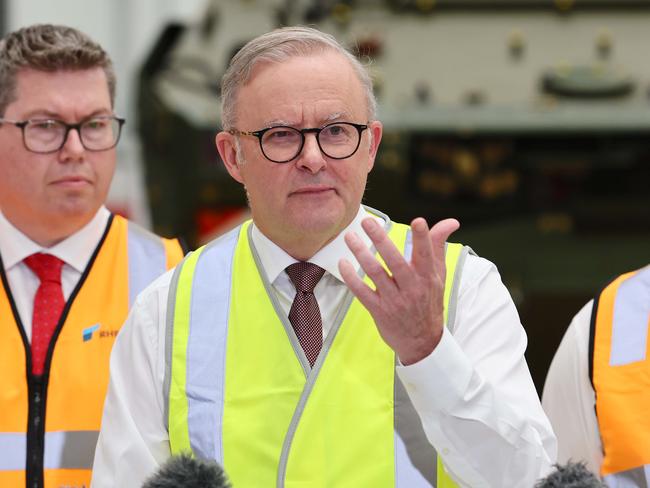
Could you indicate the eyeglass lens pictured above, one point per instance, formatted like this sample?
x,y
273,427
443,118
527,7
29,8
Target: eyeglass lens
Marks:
x,y
337,141
96,134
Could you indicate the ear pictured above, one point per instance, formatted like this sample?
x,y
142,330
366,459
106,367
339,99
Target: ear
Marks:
x,y
375,128
228,151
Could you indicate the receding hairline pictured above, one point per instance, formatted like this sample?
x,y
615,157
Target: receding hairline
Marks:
x,y
314,51
263,61
281,45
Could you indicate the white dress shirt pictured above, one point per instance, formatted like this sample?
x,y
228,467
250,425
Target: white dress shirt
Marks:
x,y
75,251
569,399
474,392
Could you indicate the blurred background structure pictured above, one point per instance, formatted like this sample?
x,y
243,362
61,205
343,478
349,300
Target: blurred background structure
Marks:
x,y
528,120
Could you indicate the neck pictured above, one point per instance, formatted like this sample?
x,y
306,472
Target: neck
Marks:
x,y
300,246
48,233
304,251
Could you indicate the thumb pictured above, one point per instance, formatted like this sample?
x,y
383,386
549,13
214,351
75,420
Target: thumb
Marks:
x,y
440,232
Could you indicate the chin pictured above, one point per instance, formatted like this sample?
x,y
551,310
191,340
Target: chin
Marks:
x,y
320,222
78,211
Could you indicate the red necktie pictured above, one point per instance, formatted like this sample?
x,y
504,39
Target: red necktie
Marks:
x,y
305,314
48,305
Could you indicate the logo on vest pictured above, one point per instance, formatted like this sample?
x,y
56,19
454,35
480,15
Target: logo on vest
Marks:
x,y
87,333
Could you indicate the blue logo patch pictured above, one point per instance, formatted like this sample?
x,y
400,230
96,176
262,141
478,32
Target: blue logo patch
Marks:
x,y
87,333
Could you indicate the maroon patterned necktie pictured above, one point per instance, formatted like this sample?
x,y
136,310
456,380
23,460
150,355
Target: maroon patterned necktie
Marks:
x,y
305,314
48,305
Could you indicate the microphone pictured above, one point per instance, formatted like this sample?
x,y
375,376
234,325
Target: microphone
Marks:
x,y
570,475
188,472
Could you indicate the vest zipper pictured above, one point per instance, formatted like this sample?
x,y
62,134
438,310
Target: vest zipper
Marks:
x,y
35,432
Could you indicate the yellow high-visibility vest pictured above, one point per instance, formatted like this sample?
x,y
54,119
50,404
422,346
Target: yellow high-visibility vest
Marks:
x,y
241,392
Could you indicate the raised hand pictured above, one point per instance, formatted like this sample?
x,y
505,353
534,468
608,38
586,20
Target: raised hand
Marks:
x,y
407,302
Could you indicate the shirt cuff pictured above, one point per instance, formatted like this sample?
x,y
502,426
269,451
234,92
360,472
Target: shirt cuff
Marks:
x,y
439,380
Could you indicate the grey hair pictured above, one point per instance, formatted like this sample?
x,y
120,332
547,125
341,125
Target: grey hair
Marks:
x,y
277,46
47,47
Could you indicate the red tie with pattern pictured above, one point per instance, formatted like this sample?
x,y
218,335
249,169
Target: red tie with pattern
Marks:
x,y
48,305
305,314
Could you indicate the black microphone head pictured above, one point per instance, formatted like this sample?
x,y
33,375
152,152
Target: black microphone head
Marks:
x,y
571,475
188,472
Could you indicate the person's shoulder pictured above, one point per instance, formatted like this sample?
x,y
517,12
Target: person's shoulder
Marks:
x,y
477,266
156,291
138,228
580,325
172,244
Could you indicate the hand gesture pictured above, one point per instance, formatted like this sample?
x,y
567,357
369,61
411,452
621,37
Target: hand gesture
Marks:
x,y
407,302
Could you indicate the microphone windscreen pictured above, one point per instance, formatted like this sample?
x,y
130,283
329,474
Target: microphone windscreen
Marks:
x,y
570,475
188,472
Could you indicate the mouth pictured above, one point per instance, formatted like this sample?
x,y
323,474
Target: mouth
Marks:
x,y
71,182
312,190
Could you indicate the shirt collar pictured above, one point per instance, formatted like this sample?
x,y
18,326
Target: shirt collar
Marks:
x,y
274,259
74,250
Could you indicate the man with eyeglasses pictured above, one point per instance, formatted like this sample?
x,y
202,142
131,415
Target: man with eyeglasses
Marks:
x,y
70,269
293,353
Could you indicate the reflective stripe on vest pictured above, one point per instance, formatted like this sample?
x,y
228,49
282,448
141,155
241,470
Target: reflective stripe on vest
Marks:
x,y
201,289
147,259
630,320
208,307
63,450
621,377
77,373
633,478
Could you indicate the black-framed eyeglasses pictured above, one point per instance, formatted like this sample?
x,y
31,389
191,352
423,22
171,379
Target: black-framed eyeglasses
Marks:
x,y
281,144
45,135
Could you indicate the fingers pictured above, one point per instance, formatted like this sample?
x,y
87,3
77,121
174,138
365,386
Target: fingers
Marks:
x,y
422,251
428,251
393,258
438,235
368,262
363,292
427,257
440,232
406,304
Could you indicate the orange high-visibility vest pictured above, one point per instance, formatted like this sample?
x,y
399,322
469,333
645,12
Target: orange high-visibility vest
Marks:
x,y
621,376
49,428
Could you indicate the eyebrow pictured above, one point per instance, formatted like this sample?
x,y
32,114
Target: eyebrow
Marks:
x,y
326,120
336,116
275,122
57,116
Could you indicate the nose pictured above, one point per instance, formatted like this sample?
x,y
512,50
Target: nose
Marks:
x,y
72,146
311,158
